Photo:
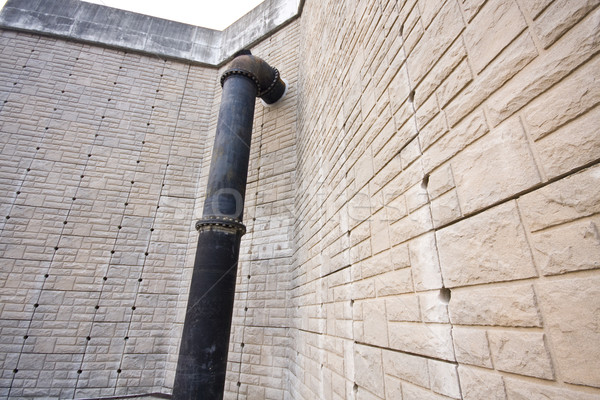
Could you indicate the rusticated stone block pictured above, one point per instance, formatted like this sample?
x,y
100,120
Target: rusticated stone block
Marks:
x,y
571,146
510,305
411,226
575,47
471,7
471,346
393,388
443,378
523,353
510,61
445,209
570,308
441,33
567,100
559,17
433,340
534,7
407,367
526,390
425,264
375,327
432,308
571,198
403,308
479,384
570,247
369,369
394,282
495,167
457,80
412,392
489,247
496,25
459,137
440,181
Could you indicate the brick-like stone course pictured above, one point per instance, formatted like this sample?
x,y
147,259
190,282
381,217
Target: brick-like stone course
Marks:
x,y
97,144
481,181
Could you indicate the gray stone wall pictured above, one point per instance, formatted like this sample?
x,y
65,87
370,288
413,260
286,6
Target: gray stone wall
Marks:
x,y
101,155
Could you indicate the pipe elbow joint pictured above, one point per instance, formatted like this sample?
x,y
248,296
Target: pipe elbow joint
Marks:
x,y
269,85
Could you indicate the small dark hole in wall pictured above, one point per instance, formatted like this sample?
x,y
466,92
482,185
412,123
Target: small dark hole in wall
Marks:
x,y
411,96
425,181
355,387
444,295
401,29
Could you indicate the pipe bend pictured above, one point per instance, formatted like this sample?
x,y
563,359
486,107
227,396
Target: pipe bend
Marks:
x,y
269,85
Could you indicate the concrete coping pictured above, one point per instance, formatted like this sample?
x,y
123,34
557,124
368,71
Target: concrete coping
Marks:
x,y
107,26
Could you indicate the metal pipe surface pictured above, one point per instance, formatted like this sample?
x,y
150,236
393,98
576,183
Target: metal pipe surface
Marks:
x,y
202,363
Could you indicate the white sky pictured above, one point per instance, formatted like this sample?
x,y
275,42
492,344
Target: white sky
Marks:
x,y
215,14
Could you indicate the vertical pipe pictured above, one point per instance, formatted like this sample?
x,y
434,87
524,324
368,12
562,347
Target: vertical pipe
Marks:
x,y
202,363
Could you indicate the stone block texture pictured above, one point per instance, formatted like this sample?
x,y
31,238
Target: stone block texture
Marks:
x,y
422,208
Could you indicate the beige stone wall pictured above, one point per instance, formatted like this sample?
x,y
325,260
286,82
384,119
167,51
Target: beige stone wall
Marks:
x,y
101,153
446,235
422,208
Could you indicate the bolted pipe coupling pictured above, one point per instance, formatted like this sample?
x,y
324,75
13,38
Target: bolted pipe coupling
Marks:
x,y
269,85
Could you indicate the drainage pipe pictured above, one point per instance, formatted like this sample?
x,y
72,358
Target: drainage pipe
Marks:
x,y
202,360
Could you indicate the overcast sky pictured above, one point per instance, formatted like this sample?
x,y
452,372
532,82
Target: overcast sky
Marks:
x,y
215,14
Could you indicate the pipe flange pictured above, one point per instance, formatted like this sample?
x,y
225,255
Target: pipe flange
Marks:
x,y
242,72
271,86
221,222
248,74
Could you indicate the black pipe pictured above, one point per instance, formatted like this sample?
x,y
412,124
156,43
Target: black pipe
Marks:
x,y
202,363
